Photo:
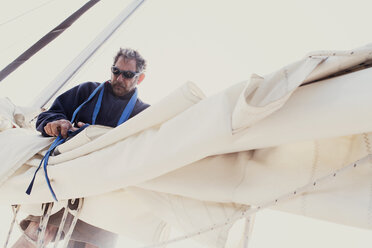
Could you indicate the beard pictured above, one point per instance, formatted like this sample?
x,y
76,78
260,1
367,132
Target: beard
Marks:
x,y
122,88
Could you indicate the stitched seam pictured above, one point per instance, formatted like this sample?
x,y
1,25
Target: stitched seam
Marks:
x,y
313,172
369,151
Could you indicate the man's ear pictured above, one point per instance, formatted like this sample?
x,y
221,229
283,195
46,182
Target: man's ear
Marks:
x,y
141,78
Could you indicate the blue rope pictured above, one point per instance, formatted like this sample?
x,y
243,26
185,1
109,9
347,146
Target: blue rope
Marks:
x,y
59,140
89,98
128,109
97,107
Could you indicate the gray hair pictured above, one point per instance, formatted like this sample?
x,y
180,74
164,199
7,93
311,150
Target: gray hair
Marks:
x,y
129,53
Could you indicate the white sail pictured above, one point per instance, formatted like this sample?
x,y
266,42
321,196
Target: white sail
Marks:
x,y
250,145
247,48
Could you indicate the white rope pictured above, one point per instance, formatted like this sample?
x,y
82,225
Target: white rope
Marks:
x,y
33,242
46,208
46,211
61,225
292,194
15,209
72,226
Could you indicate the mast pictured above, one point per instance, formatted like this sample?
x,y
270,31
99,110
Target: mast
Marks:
x,y
62,78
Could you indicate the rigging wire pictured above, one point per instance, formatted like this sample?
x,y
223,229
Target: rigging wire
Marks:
x,y
4,49
26,12
79,61
46,39
99,52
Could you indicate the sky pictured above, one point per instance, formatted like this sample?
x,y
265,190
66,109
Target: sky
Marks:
x,y
214,44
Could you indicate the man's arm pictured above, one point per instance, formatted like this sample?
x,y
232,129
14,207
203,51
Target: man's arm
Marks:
x,y
55,128
58,113
55,121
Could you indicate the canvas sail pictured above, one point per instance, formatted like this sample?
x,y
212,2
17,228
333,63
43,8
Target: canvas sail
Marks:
x,y
244,146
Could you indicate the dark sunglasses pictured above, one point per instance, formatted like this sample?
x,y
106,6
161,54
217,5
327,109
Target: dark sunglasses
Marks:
x,y
126,74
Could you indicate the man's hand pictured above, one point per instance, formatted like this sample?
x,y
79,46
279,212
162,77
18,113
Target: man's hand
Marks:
x,y
55,128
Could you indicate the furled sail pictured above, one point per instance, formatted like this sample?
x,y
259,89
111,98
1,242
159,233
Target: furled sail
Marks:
x,y
267,142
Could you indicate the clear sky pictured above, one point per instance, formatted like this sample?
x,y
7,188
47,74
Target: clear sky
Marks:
x,y
213,43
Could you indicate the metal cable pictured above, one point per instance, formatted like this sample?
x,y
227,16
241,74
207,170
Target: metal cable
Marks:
x,y
26,12
46,39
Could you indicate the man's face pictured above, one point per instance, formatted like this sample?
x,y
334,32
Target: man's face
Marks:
x,y
121,85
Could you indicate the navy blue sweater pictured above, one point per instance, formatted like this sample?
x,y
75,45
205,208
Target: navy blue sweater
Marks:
x,y
111,108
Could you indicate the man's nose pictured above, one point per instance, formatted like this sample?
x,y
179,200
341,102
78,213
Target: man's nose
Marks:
x,y
121,77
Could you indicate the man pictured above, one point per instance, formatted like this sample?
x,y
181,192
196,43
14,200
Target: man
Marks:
x,y
109,104
127,72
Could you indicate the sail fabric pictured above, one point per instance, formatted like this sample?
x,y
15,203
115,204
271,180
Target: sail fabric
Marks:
x,y
17,144
244,146
14,116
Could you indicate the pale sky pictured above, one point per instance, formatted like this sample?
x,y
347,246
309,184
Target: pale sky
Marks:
x,y
215,44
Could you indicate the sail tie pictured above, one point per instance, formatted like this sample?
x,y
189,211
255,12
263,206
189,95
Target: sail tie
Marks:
x,y
60,140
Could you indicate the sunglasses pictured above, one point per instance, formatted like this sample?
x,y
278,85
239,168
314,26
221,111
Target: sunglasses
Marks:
x,y
126,74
